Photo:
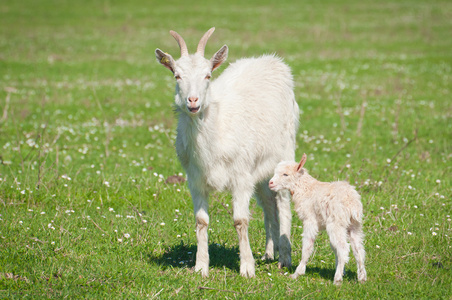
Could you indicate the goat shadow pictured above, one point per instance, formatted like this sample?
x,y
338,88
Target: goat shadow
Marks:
x,y
184,256
327,273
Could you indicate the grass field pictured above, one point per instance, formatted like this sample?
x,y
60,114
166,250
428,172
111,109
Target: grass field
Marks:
x,y
87,134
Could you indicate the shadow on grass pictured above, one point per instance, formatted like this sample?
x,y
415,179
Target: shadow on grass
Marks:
x,y
182,256
328,273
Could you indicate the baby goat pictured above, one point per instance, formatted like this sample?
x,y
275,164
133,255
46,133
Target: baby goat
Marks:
x,y
334,206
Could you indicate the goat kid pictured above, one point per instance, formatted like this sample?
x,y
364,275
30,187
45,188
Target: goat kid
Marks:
x,y
334,206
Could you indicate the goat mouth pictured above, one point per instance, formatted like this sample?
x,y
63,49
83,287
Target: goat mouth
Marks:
x,y
193,110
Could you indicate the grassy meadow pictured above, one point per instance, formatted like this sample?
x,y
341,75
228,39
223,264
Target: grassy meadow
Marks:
x,y
87,134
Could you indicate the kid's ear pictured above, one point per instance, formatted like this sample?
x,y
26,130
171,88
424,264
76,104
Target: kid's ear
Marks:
x,y
165,59
219,57
302,162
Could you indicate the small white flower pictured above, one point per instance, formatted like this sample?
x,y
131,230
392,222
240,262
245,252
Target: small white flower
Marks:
x,y
409,233
415,206
388,160
162,224
438,181
382,208
53,243
111,209
144,221
120,240
434,233
377,246
43,212
421,215
126,235
20,222
178,236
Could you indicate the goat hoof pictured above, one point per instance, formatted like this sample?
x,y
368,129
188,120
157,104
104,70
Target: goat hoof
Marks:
x,y
267,256
204,270
338,282
285,262
247,270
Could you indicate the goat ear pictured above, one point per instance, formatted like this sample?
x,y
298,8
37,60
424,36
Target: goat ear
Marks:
x,y
302,162
165,59
219,57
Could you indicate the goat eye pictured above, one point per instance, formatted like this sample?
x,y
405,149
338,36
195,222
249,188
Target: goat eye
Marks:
x,y
285,174
208,77
177,77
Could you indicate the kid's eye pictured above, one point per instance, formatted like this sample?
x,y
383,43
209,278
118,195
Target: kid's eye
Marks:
x,y
208,77
285,174
177,77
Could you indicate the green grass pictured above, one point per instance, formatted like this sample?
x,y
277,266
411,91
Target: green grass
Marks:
x,y
87,135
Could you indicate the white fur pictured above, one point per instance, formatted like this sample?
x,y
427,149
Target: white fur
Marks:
x,y
245,125
335,207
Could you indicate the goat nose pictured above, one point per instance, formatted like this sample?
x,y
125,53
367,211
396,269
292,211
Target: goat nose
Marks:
x,y
192,99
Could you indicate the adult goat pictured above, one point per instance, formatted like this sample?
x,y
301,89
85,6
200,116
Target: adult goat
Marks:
x,y
231,134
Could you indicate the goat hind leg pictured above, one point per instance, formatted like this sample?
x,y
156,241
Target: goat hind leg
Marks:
x,y
266,199
285,222
356,241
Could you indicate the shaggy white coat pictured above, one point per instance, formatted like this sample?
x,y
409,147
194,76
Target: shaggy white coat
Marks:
x,y
231,134
332,206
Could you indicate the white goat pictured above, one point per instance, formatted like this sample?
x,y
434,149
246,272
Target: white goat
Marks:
x,y
231,134
334,206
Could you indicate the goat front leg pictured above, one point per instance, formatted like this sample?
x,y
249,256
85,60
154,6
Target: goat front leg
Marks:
x,y
285,222
310,230
200,205
241,201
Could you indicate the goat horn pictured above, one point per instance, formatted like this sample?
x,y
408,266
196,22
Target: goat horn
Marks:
x,y
181,42
203,41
